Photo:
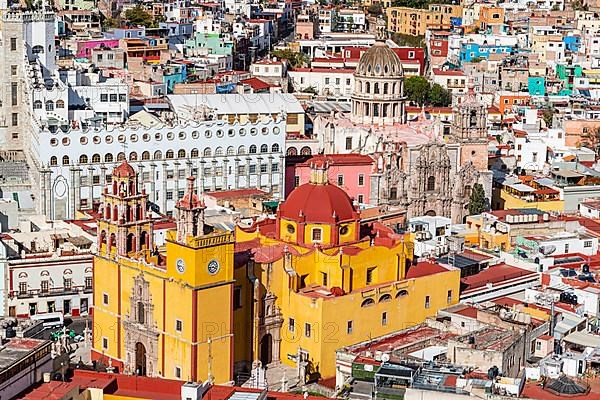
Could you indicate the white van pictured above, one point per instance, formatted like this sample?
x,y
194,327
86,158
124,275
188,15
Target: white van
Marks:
x,y
50,320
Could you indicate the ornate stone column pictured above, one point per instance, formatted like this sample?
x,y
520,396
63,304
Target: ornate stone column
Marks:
x,y
163,207
259,173
225,173
176,169
77,185
71,210
202,164
281,176
48,177
236,175
153,196
213,186
248,162
90,186
270,172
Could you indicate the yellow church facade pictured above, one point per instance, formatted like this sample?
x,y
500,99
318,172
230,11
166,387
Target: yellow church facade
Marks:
x,y
322,280
213,305
161,313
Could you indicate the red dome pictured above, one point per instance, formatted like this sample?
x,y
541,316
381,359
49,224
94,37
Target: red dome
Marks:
x,y
319,203
124,170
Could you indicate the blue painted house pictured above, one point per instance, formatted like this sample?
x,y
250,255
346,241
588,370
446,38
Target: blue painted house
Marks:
x,y
469,51
572,43
174,73
536,85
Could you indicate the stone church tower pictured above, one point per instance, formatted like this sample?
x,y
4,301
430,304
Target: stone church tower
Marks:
x,y
469,131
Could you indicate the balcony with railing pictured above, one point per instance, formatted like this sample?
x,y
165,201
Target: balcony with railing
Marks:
x,y
49,292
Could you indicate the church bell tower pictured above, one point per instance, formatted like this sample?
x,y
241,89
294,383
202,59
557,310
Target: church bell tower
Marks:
x,y
124,228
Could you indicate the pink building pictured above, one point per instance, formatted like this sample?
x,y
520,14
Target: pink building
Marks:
x,y
84,48
351,172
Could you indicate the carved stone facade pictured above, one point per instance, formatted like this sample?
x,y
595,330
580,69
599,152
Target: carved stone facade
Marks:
x,y
141,331
270,330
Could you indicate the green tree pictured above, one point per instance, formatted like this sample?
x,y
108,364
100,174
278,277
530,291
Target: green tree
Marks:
x,y
408,40
477,201
375,9
547,116
416,89
296,59
137,16
438,96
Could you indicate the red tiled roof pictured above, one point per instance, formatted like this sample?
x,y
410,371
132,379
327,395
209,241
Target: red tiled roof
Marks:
x,y
340,159
494,274
468,311
327,70
424,268
437,71
256,83
235,193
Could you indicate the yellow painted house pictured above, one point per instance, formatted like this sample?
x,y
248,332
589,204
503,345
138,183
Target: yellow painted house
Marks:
x,y
164,313
318,279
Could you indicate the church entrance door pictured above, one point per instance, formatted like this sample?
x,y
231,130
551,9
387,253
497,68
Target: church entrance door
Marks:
x,y
140,359
266,349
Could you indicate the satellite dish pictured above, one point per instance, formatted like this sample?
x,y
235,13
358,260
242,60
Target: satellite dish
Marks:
x,y
385,357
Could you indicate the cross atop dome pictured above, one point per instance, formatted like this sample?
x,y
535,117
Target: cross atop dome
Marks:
x,y
124,170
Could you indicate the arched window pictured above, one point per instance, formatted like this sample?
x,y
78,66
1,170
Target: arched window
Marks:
x,y
169,154
83,159
402,293
49,105
60,104
431,183
53,160
292,151
65,160
133,156
96,158
376,88
140,312
264,148
207,152
252,149
367,302
37,105
241,150
37,49
218,151
473,119
108,157
275,148
157,155
146,155
121,156
230,151
385,297
305,151
181,153
368,87
194,153
385,88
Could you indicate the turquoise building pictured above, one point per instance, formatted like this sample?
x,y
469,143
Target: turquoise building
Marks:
x,y
536,85
567,74
213,42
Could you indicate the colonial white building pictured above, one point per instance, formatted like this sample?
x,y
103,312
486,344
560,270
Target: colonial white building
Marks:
x,y
48,268
76,163
335,83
